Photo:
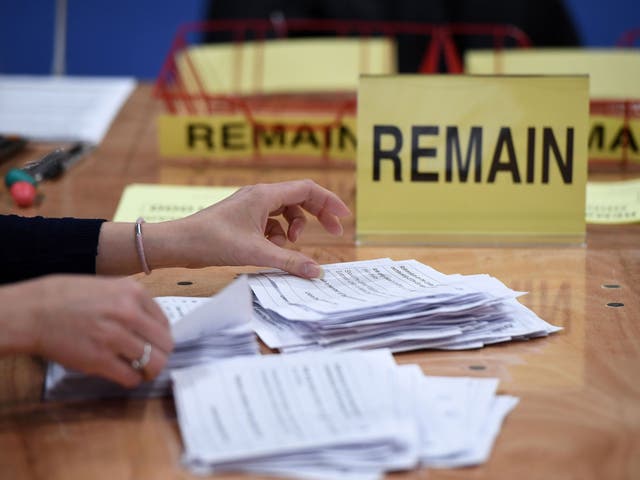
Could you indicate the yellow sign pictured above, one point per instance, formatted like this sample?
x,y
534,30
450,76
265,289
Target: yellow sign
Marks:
x,y
472,159
613,81
613,73
612,138
235,137
284,65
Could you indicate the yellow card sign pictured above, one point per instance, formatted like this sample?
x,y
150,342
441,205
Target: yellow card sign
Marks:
x,y
234,137
472,159
612,138
614,133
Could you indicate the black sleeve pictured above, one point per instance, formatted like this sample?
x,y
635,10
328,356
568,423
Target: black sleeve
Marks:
x,y
30,247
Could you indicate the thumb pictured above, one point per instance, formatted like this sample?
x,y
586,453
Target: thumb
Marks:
x,y
290,261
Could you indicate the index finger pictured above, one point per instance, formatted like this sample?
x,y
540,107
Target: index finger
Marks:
x,y
309,195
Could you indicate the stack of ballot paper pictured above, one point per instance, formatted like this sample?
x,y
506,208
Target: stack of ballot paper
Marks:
x,y
203,329
400,305
332,415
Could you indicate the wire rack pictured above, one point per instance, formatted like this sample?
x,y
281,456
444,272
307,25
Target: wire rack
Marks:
x,y
440,54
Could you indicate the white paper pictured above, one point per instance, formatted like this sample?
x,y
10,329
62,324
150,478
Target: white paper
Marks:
x,y
325,415
401,305
306,409
69,109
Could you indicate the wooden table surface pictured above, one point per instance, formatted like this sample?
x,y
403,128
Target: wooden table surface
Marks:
x,y
579,414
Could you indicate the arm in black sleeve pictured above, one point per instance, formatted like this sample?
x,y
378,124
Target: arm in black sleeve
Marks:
x,y
30,247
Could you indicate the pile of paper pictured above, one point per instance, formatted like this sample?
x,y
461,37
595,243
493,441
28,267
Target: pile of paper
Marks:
x,y
400,305
203,329
332,415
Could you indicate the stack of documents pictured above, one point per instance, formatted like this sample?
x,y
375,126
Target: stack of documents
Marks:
x,y
203,329
332,415
400,305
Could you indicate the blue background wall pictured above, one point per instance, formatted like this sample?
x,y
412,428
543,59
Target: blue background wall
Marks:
x,y
132,37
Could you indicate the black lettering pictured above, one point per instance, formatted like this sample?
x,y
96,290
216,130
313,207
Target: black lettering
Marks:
x,y
531,152
417,153
453,146
549,143
597,135
231,134
346,135
511,165
624,138
199,132
274,134
327,136
305,134
380,154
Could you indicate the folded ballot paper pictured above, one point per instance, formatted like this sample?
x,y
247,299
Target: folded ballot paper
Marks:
x,y
332,415
203,329
400,305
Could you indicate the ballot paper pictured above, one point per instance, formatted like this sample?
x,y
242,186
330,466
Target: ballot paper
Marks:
x,y
382,303
61,109
203,329
332,415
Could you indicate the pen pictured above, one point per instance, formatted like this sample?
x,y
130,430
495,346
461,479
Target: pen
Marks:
x,y
21,182
10,145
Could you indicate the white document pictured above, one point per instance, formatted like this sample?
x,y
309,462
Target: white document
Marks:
x,y
479,442
203,329
304,411
326,415
401,305
61,109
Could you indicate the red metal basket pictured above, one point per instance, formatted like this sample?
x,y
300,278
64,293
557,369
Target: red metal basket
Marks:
x,y
440,50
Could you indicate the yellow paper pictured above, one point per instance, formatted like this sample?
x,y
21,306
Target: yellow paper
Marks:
x,y
614,73
158,203
613,202
285,65
528,184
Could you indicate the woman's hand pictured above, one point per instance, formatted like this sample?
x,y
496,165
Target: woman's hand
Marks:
x,y
243,229
96,325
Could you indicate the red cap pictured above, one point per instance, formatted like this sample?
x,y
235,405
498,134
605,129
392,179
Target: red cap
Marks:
x,y
23,193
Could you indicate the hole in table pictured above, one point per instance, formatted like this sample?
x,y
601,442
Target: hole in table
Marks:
x,y
477,367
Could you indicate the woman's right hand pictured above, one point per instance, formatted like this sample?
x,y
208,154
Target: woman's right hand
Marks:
x,y
95,325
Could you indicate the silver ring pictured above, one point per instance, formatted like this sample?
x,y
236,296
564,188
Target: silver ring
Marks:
x,y
140,363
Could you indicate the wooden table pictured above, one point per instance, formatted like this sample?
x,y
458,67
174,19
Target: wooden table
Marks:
x,y
579,415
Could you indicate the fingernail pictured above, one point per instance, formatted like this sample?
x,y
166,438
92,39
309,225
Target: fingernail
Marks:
x,y
312,270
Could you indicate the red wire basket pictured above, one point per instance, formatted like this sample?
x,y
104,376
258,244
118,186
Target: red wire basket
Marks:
x,y
440,53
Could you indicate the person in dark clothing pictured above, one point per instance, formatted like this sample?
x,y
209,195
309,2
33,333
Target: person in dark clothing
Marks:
x,y
112,327
546,22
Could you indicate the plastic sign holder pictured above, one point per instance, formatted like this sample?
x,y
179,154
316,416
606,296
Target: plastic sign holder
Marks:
x,y
472,159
